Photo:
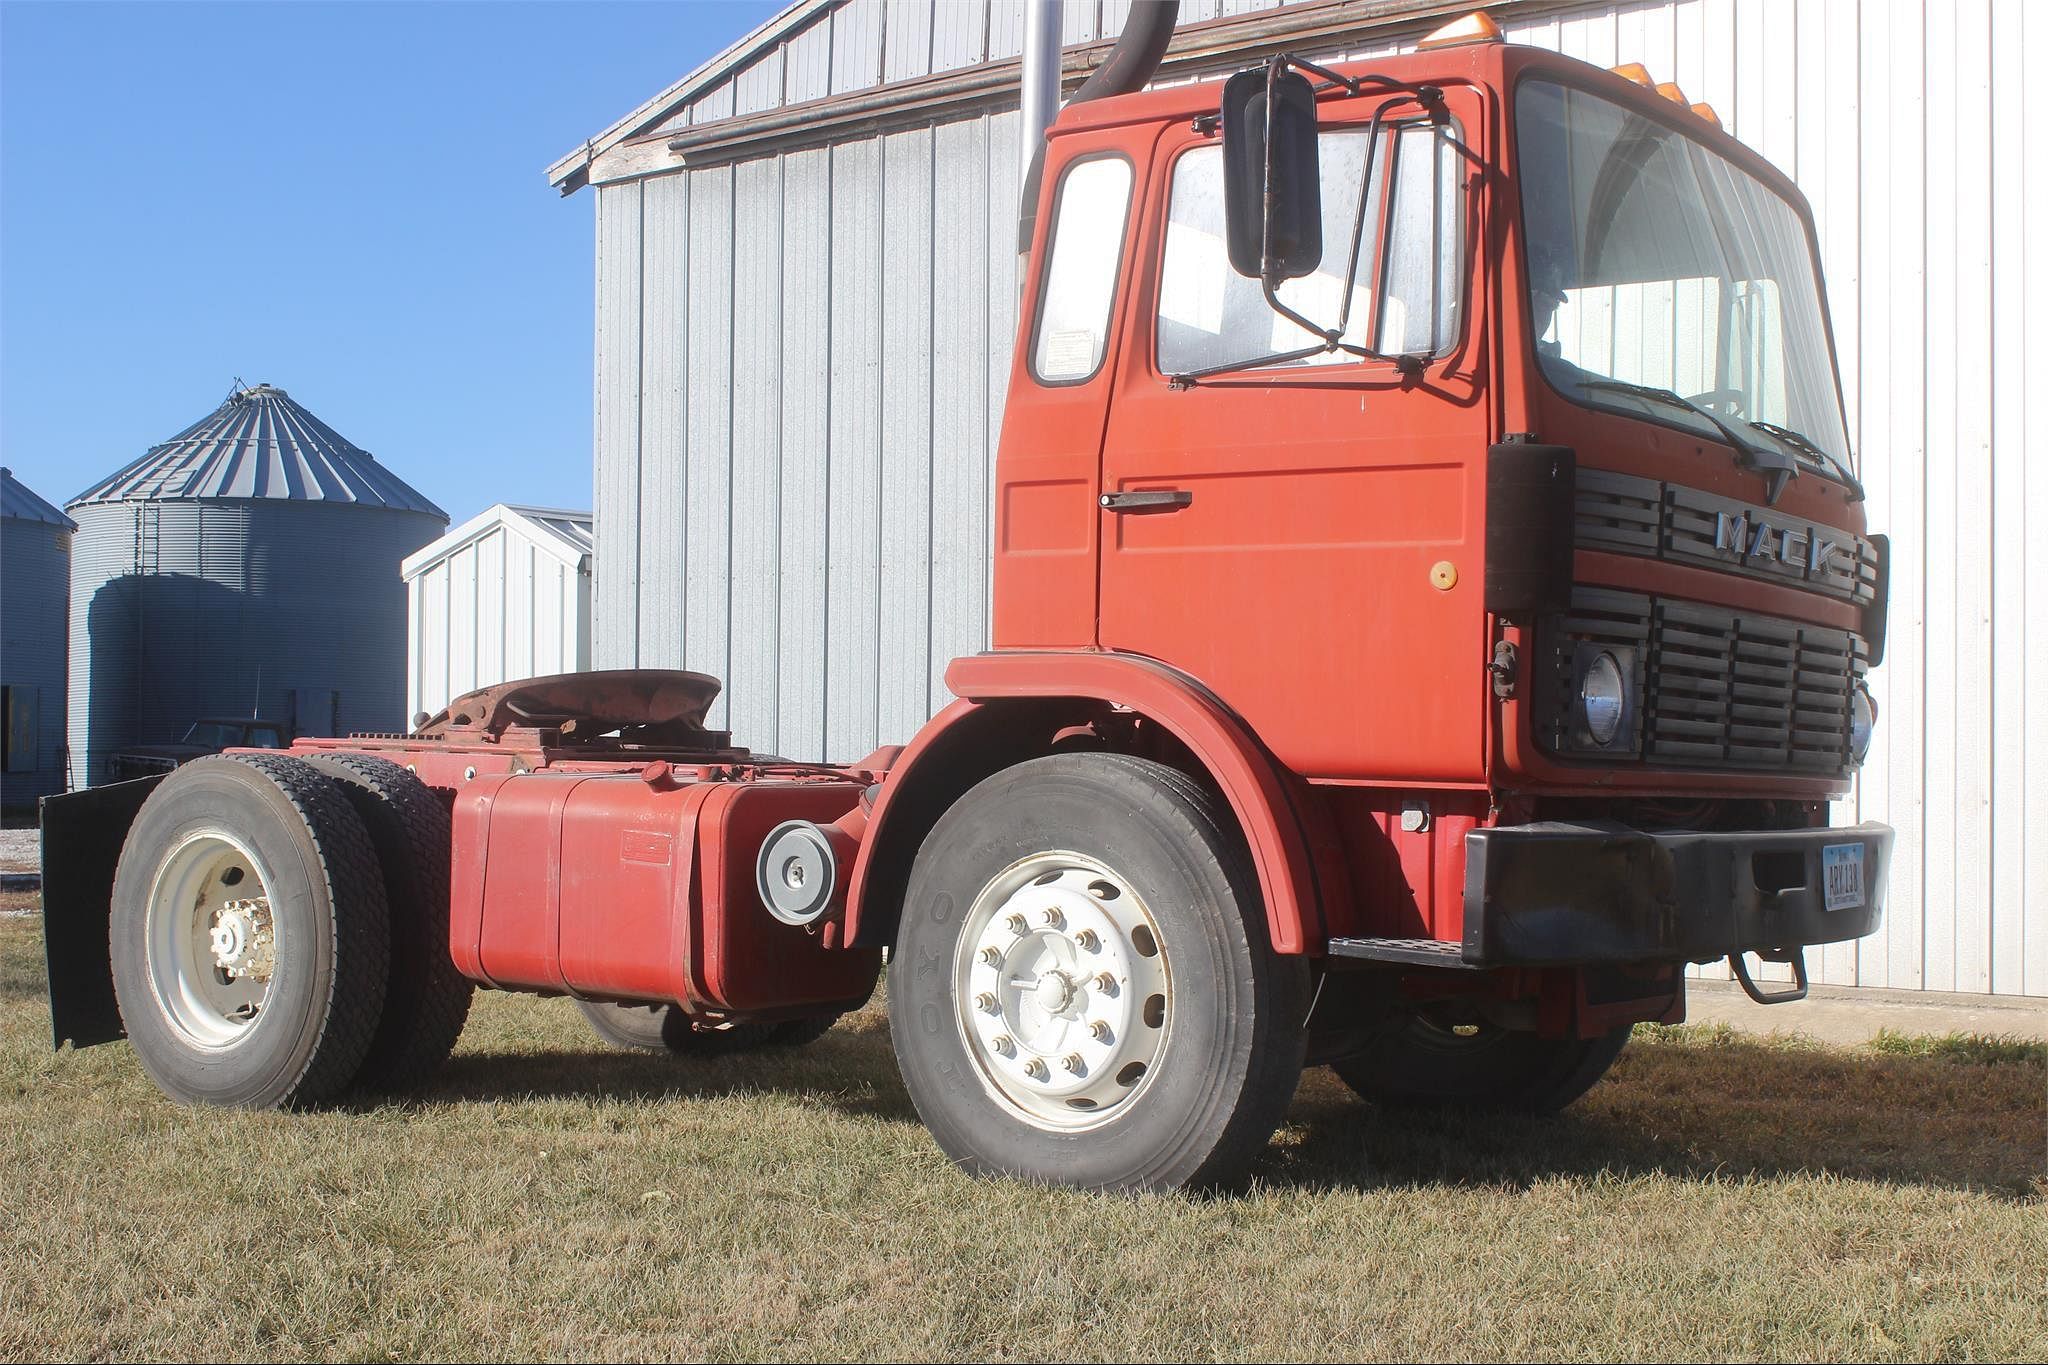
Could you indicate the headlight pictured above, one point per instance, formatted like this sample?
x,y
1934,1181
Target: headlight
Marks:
x,y
1603,699
1862,723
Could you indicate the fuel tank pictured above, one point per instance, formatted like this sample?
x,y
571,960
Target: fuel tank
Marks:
x,y
632,884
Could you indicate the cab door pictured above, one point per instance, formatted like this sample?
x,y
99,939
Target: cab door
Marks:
x,y
1306,538
1061,380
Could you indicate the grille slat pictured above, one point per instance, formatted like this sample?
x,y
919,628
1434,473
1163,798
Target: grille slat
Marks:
x,y
1719,688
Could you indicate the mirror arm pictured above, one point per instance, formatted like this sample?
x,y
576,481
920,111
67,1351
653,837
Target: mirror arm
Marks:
x,y
1267,266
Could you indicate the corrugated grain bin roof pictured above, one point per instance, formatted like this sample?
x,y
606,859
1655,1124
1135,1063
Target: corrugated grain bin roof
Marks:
x,y
20,502
260,444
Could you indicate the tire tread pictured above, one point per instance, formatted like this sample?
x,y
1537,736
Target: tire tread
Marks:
x,y
361,927
426,1001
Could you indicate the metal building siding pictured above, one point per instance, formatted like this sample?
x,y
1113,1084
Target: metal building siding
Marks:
x,y
35,580
1891,116
510,600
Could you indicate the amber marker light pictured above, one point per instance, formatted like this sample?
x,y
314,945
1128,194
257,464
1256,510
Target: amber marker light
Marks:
x,y
1476,27
1633,71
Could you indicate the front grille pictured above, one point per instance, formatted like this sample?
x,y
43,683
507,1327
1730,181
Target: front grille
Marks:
x,y
1623,514
1716,688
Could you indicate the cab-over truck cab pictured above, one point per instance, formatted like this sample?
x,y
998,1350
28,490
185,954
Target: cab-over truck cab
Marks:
x,y
1432,605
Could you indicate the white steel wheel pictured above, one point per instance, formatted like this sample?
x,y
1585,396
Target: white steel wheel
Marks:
x,y
1062,989
211,939
249,934
1083,989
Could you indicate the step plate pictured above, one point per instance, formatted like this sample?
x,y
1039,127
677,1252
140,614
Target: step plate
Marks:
x,y
1417,952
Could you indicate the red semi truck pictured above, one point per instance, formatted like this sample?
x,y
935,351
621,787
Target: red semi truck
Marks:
x,y
1432,604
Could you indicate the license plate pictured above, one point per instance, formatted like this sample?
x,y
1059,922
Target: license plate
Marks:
x,y
1841,875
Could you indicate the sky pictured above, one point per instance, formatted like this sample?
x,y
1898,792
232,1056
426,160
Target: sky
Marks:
x,y
348,200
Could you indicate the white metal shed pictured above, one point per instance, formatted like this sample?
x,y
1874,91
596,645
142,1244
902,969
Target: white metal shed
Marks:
x,y
504,595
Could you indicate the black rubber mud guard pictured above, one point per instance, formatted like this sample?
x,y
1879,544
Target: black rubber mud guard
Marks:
x,y
82,837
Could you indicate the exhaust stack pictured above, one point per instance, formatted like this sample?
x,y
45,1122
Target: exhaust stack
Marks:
x,y
1137,54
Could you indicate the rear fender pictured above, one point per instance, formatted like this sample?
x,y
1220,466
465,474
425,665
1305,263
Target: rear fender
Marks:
x,y
82,837
1011,703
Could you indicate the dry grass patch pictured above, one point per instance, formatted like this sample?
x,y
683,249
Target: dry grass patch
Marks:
x,y
1717,1197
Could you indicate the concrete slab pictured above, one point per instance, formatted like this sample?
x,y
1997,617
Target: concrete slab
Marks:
x,y
1851,1016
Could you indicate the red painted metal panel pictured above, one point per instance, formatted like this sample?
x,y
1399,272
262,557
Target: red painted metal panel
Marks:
x,y
1267,801
628,864
520,943
1302,580
747,960
625,883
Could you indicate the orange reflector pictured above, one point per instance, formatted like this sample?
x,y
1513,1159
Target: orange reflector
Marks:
x,y
1476,27
1633,71
1706,111
1670,91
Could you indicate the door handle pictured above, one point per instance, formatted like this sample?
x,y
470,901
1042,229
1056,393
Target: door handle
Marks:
x,y
1148,500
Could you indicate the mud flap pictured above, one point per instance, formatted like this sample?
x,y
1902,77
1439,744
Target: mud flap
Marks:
x,y
82,837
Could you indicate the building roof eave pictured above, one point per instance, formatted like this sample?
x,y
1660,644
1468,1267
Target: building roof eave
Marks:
x,y
571,172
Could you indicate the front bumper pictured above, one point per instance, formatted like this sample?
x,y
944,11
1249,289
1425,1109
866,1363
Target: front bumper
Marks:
x,y
1553,895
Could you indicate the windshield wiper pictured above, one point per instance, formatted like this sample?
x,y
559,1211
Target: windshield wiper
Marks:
x,y
1804,444
1775,465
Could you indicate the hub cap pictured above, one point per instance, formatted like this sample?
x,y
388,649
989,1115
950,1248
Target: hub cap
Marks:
x,y
212,944
1062,990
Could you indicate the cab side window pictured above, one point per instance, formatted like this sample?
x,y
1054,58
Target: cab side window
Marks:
x,y
1080,279
1210,315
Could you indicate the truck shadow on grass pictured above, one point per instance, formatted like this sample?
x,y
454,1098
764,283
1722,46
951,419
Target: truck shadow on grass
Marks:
x,y
1705,1107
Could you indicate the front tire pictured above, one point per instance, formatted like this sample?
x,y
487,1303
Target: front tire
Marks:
x,y
1423,1062
249,934
1083,991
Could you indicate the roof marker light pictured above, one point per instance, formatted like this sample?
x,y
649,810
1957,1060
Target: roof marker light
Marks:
x,y
1706,111
1633,71
1476,27
1670,91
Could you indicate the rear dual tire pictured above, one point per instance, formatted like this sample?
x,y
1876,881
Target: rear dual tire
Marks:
x,y
279,931
249,934
426,1001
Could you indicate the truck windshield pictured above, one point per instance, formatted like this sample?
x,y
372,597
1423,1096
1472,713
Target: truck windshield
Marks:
x,y
1656,262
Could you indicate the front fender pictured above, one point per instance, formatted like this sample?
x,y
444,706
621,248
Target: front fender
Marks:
x,y
991,688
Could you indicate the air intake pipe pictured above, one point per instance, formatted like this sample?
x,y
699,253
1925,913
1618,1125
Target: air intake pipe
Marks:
x,y
1130,64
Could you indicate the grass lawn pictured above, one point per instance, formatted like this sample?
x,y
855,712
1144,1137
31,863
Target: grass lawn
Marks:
x,y
1716,1197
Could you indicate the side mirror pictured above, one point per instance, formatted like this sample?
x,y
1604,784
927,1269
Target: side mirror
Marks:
x,y
1272,186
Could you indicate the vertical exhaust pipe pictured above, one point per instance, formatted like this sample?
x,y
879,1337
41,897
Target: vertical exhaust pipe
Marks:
x,y
1137,54
1041,95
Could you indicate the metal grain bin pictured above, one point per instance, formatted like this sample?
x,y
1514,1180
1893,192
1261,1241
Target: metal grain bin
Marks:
x,y
35,585
248,566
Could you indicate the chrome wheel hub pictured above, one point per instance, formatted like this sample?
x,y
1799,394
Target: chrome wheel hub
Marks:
x,y
1062,990
211,941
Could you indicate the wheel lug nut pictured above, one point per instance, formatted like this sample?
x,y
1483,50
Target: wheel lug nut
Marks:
x,y
1106,983
986,1002
1035,1069
1053,918
1087,939
991,956
1100,1028
1016,924
1071,1062
1003,1045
